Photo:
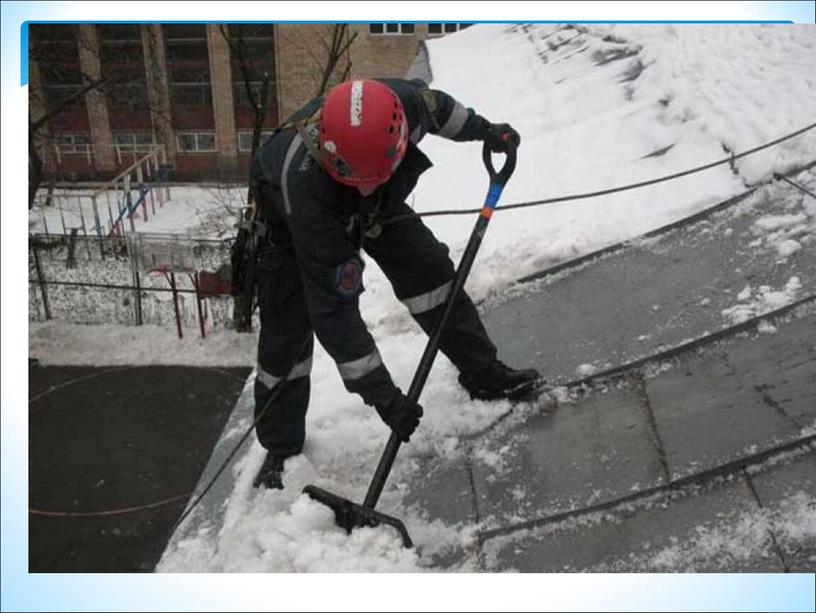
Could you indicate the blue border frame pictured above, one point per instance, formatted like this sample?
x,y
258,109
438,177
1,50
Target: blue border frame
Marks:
x,y
25,24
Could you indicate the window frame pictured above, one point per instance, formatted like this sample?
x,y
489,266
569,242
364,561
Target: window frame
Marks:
x,y
265,133
196,134
133,143
443,28
67,145
399,31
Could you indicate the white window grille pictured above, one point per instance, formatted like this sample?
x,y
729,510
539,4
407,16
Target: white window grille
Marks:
x,y
133,140
73,143
245,139
195,142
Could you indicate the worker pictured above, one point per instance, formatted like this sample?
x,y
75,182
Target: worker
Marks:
x,y
326,185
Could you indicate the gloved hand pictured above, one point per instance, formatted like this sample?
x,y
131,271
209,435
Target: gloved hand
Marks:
x,y
500,136
401,415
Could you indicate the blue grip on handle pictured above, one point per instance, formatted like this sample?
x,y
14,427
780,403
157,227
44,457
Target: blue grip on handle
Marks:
x,y
493,195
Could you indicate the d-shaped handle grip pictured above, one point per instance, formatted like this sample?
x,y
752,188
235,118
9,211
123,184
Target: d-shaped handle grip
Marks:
x,y
502,176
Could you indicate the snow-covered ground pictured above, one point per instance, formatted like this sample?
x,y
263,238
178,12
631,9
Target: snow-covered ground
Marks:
x,y
201,212
57,342
597,106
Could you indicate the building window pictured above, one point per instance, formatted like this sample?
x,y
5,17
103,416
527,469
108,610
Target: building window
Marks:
x,y
245,139
133,138
122,59
56,51
438,29
252,53
196,142
188,62
141,142
392,29
73,143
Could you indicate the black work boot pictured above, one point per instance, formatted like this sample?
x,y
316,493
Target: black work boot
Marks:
x,y
499,381
270,476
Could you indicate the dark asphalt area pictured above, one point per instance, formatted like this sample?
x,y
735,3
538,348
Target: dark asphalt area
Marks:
x,y
113,455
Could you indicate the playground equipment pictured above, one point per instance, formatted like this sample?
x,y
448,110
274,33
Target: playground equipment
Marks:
x,y
135,192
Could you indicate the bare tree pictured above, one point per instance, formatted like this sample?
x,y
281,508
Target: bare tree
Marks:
x,y
43,108
67,85
252,71
322,52
335,47
326,52
37,132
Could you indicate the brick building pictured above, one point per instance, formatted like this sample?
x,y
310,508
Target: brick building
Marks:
x,y
182,88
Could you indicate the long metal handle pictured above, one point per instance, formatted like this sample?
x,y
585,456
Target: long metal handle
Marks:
x,y
497,182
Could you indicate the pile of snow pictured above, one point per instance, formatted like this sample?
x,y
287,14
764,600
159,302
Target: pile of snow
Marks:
x,y
762,300
785,233
286,531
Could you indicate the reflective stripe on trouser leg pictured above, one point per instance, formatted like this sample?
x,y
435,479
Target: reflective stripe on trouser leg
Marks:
x,y
419,266
429,300
464,340
301,369
285,331
282,428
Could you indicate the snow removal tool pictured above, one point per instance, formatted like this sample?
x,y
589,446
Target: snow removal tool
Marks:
x,y
347,514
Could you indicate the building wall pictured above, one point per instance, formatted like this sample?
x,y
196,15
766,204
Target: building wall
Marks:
x,y
378,55
223,104
299,62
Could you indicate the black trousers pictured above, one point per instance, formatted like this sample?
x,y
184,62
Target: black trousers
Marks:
x,y
420,271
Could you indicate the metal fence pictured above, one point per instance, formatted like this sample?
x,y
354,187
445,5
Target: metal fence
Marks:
x,y
134,280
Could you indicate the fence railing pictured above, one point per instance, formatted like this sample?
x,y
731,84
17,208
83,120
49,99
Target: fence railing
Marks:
x,y
114,206
133,280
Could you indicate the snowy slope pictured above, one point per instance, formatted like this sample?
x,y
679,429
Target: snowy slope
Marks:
x,y
588,121
587,124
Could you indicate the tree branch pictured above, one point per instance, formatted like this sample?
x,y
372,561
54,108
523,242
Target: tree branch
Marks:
x,y
36,125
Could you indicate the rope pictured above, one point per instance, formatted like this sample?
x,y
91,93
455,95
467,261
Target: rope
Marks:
x,y
121,511
802,445
613,190
275,393
801,188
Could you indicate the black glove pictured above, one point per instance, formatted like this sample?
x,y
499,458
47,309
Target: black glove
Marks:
x,y
401,415
500,136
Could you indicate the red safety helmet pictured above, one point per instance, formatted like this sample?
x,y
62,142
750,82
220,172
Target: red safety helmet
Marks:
x,y
363,133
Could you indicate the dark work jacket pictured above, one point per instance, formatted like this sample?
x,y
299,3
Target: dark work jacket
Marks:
x,y
303,206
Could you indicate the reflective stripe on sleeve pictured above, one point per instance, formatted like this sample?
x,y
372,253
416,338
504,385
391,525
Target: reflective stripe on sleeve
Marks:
x,y
455,122
357,369
290,153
